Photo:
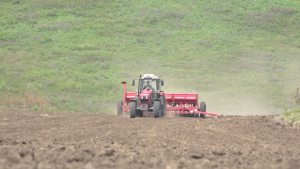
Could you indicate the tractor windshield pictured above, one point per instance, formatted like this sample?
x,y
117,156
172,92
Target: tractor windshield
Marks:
x,y
149,83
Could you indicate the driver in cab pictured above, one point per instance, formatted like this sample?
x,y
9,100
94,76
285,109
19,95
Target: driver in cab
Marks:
x,y
148,85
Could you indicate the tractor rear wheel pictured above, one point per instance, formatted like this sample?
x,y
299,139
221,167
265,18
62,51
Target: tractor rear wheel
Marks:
x,y
202,109
120,108
133,110
157,109
163,105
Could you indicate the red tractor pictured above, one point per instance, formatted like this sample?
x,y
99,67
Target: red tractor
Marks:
x,y
150,97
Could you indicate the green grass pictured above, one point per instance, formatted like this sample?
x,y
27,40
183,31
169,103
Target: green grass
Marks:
x,y
240,56
293,116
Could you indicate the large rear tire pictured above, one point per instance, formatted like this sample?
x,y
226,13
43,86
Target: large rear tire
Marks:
x,y
157,109
163,105
120,108
133,110
202,109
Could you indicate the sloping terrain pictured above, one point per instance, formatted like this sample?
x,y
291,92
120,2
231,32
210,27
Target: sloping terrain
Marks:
x,y
33,139
241,57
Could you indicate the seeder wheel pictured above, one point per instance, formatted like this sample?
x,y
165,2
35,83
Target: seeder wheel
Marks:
x,y
202,109
120,108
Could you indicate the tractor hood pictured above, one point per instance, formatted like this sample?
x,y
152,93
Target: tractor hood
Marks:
x,y
146,97
146,92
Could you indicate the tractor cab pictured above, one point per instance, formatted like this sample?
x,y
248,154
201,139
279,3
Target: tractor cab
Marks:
x,y
149,82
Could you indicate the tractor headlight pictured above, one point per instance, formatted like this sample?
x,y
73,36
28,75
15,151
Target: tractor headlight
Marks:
x,y
144,97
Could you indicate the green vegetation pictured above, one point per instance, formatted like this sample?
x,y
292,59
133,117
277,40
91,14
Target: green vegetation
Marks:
x,y
298,101
242,57
292,116
35,107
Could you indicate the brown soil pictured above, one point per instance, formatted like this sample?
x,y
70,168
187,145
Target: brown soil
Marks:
x,y
35,139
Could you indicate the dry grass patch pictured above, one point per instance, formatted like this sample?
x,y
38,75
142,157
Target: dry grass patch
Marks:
x,y
27,101
276,19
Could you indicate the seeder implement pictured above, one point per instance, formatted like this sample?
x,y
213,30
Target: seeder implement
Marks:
x,y
150,97
186,104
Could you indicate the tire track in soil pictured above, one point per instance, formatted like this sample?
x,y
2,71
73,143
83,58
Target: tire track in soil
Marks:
x,y
39,139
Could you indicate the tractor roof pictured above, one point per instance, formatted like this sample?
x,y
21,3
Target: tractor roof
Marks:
x,y
149,76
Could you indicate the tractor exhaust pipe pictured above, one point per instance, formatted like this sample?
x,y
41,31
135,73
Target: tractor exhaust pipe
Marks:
x,y
124,95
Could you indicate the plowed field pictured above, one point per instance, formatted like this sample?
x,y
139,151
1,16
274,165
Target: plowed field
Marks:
x,y
36,139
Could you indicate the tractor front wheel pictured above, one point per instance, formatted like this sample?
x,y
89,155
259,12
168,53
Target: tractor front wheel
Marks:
x,y
120,108
133,110
140,113
202,109
157,109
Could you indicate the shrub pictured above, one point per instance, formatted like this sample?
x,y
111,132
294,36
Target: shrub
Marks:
x,y
36,107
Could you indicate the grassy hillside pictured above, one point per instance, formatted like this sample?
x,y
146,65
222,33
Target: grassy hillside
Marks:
x,y
242,57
